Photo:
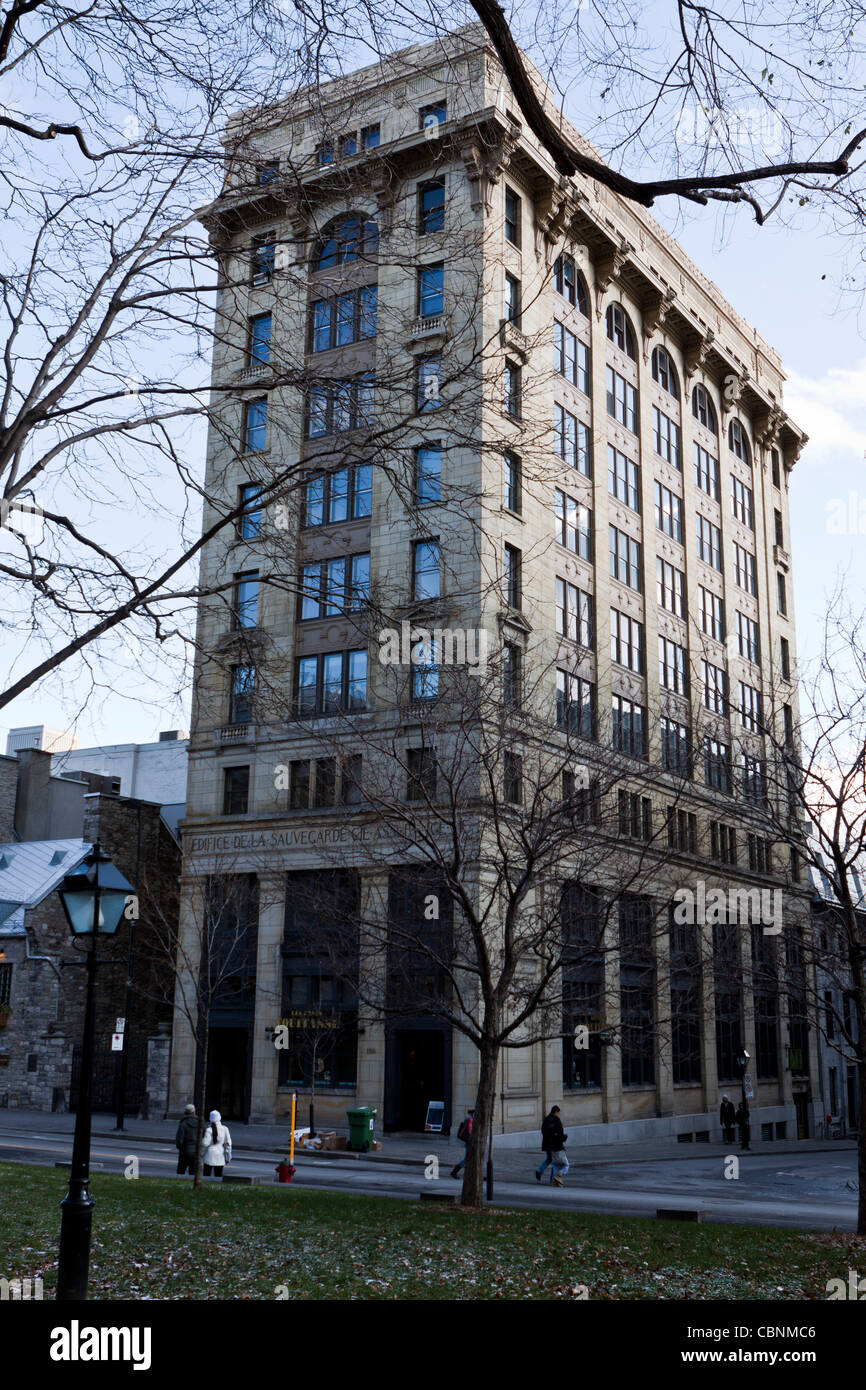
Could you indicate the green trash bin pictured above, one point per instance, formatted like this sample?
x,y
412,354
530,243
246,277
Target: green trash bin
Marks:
x,y
361,1122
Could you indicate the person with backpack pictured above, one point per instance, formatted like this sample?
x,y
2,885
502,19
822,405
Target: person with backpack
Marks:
x,y
185,1140
217,1146
553,1142
464,1134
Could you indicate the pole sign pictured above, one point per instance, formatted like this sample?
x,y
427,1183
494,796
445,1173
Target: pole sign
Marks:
x,y
435,1117
747,1086
120,1025
117,1042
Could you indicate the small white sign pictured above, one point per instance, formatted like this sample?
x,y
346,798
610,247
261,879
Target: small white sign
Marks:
x,y
749,1089
120,1025
117,1042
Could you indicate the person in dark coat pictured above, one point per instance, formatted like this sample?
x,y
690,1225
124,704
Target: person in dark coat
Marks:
x,y
187,1133
727,1118
745,1125
552,1138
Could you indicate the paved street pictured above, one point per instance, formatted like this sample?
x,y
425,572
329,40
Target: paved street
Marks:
x,y
807,1185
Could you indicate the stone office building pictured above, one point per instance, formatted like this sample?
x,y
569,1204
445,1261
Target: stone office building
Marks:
x,y
416,307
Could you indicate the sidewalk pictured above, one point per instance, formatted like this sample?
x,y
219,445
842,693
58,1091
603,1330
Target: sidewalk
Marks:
x,y
410,1149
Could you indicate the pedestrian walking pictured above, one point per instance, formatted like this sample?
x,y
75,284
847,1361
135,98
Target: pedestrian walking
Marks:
x,y
727,1118
464,1134
217,1146
553,1142
745,1126
185,1140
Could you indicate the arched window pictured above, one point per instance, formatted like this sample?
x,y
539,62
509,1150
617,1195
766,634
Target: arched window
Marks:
x,y
620,331
703,409
665,373
346,239
739,442
569,282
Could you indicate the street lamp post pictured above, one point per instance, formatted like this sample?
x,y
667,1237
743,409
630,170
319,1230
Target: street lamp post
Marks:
x,y
94,897
742,1063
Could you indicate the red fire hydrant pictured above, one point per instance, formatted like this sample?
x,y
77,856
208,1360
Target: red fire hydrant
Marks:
x,y
285,1172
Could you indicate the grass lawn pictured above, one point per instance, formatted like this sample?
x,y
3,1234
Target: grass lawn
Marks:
x,y
158,1239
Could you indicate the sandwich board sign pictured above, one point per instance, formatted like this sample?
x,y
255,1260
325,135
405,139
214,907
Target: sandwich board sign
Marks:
x,y
435,1117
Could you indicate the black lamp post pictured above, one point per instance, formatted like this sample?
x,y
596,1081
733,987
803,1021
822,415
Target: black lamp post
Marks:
x,y
94,897
745,1129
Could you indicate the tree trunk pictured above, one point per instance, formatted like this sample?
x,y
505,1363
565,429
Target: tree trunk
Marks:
x,y
861,1141
485,1102
200,1101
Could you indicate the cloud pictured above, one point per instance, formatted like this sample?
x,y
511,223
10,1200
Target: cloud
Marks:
x,y
832,411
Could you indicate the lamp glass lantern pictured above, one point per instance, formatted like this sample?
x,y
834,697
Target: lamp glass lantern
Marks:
x,y
94,896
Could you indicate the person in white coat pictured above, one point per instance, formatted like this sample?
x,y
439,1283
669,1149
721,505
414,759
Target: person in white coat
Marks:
x,y
217,1146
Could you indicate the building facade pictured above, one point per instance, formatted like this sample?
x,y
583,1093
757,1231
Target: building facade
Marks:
x,y
460,390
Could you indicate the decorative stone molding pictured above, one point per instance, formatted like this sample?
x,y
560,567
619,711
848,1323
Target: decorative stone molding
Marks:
x,y
384,188
654,314
767,427
554,210
733,386
484,168
607,268
696,354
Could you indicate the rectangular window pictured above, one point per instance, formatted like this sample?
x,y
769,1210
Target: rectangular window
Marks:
x,y
263,259
249,523
259,340
628,725
573,525
299,784
513,779
421,770
723,843
428,473
574,614
429,383
5,983
754,781
243,684
256,426
760,854
673,667
512,216
774,465
513,483
513,386
709,543
426,574
351,793
575,705
332,587
434,114
425,671
670,588
236,791
706,472
783,595
669,512
777,527
246,599
512,675
325,154
676,747
626,641
621,400
745,570
751,716
431,290
635,815
666,436
623,478
743,503
717,765
682,830
625,559
512,300
371,136
348,318
748,638
345,494
348,145
571,357
715,684
573,441
785,651
331,682
712,614
431,207
513,577
340,405
565,278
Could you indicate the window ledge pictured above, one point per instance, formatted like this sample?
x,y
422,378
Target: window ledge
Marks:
x,y
513,339
427,332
